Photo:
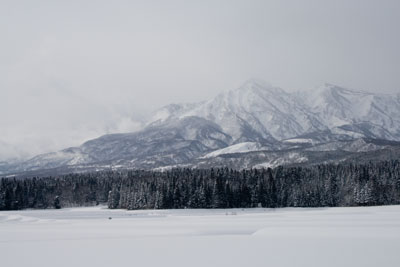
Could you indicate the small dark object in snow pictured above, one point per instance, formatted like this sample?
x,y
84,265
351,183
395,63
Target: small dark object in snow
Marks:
x,y
109,218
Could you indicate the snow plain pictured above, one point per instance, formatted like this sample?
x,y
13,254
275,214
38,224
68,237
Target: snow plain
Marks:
x,y
360,236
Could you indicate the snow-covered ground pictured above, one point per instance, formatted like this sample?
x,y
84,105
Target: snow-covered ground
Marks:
x,y
237,148
367,236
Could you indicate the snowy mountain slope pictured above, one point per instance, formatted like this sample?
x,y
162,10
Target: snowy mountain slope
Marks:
x,y
66,157
163,144
255,111
258,112
357,145
169,112
358,151
354,112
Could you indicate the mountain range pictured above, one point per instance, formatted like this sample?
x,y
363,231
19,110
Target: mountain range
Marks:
x,y
255,125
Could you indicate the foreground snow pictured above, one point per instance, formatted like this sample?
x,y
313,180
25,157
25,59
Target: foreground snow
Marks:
x,y
235,237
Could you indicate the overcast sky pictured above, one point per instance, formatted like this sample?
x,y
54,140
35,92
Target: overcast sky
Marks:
x,y
73,70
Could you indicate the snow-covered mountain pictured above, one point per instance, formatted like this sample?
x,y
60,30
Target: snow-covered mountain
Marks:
x,y
260,125
259,112
255,111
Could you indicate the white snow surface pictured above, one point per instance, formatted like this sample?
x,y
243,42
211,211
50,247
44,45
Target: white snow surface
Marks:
x,y
237,148
300,140
356,236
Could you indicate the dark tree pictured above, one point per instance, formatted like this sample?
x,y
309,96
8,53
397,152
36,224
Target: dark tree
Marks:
x,y
57,204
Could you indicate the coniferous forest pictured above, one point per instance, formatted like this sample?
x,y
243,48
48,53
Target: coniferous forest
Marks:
x,y
316,186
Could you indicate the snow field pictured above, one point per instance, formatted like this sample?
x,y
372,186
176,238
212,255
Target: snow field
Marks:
x,y
362,236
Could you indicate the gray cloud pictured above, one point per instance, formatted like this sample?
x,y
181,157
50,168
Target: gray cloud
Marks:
x,y
73,70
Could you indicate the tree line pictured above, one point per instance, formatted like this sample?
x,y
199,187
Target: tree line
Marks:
x,y
327,185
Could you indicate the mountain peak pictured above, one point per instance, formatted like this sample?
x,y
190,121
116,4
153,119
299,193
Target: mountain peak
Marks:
x,y
332,87
256,87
